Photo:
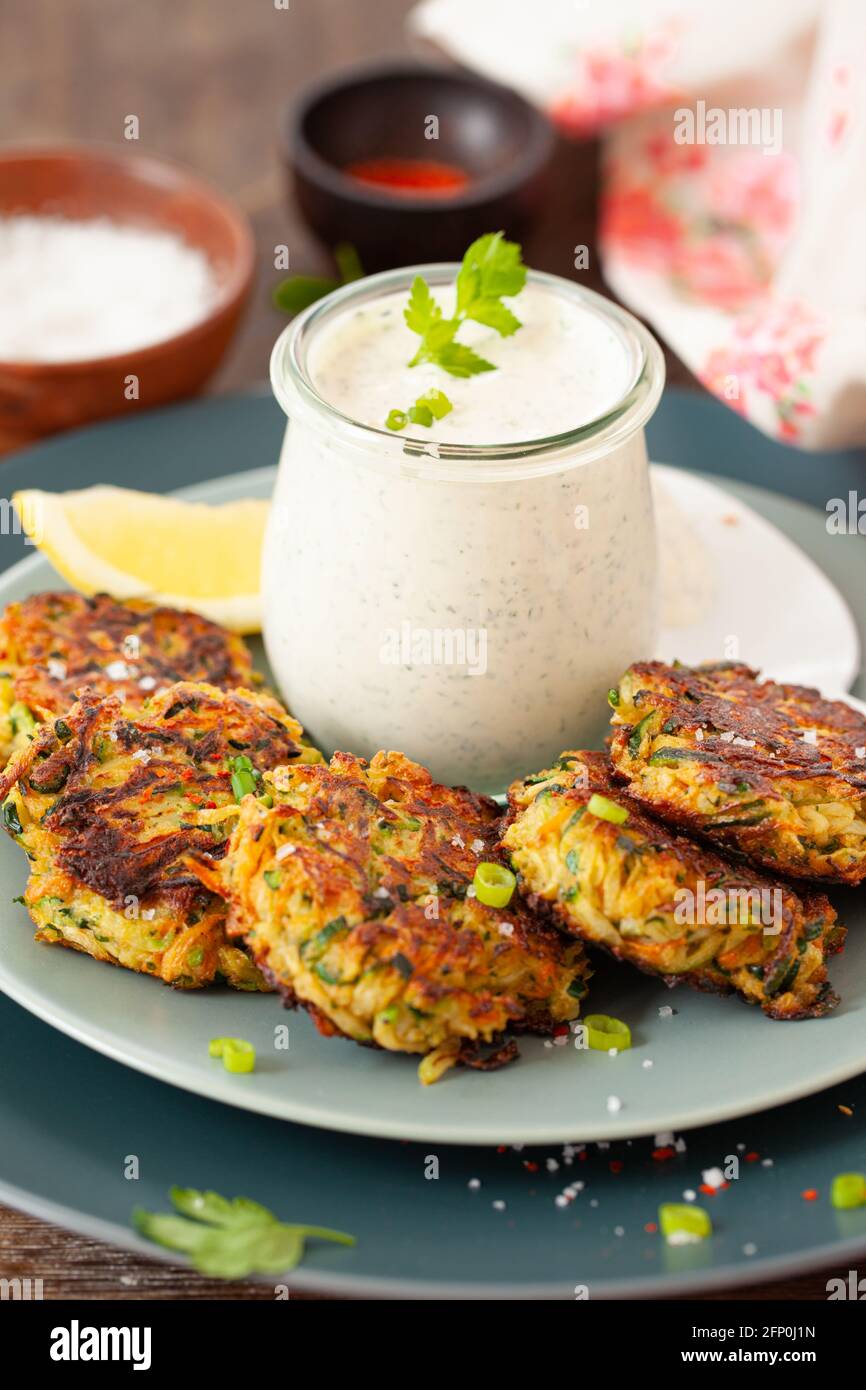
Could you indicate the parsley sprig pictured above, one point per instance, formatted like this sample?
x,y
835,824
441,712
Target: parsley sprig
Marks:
x,y
229,1239
491,270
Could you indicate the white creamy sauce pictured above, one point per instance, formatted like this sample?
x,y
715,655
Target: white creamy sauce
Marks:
x,y
474,624
563,368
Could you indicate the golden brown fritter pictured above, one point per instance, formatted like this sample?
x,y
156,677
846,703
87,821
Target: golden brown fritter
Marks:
x,y
52,645
354,895
771,772
610,873
105,803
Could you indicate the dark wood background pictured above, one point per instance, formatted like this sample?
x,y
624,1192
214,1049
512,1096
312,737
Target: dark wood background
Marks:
x,y
209,81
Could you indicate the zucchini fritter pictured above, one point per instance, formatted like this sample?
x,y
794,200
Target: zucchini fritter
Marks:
x,y
54,644
105,802
772,772
353,893
666,905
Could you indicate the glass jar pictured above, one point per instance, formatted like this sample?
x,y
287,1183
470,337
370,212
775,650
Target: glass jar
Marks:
x,y
467,605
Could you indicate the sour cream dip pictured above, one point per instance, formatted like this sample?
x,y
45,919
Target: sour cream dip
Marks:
x,y
468,593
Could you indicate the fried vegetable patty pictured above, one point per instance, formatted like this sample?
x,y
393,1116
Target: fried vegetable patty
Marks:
x,y
105,802
52,645
772,772
612,875
354,895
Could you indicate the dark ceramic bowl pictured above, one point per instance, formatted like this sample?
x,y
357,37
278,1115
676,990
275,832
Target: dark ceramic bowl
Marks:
x,y
489,132
87,181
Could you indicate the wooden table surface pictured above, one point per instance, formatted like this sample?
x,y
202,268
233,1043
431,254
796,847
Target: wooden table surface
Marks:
x,y
209,81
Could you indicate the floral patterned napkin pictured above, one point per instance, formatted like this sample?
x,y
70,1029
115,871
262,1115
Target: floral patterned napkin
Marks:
x,y
733,207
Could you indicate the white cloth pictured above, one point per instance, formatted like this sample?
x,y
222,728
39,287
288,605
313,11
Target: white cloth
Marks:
x,y
747,256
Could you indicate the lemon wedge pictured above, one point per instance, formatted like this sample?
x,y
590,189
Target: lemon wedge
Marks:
x,y
140,545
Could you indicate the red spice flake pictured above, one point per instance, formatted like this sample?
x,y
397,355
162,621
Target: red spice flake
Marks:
x,y
810,1195
500,1148
418,178
752,1157
711,1191
561,1030
582,1156
616,1165
651,1228
530,1166
662,1155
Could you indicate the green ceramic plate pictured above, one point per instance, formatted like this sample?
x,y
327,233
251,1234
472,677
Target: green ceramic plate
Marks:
x,y
711,1058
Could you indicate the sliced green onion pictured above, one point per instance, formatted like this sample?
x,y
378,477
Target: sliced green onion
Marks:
x,y
635,738
267,800
603,1033
10,817
606,809
683,1224
421,415
238,1055
613,696
436,401
195,957
848,1190
273,878
397,420
62,730
494,884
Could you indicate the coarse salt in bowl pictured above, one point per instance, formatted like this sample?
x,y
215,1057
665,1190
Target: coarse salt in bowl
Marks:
x,y
170,262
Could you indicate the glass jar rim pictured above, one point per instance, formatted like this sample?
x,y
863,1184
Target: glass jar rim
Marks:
x,y
297,395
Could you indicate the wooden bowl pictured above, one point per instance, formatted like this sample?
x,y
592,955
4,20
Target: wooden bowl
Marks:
x,y
87,181
492,134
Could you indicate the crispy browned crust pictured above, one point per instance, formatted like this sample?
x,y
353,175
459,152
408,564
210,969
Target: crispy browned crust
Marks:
x,y
112,837
693,861
87,635
746,738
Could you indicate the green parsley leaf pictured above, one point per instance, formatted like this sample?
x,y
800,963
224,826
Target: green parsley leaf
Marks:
x,y
230,1239
491,268
300,291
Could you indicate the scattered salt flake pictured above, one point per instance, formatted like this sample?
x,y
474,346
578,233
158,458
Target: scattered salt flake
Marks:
x,y
689,1195
741,1147
561,1040
810,735
713,1177
147,683
507,929
499,1205
112,734
663,1140
285,850
561,1201
131,646
458,842
56,668
470,892
744,742
551,1165
619,1230
613,1052
120,671
603,1145
665,1011
699,735
129,1280
477,846
614,1104
594,1202
750,1249
647,1063
547,1042
766,1163
727,737
149,913
142,755
860,752
474,1184
680,1145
